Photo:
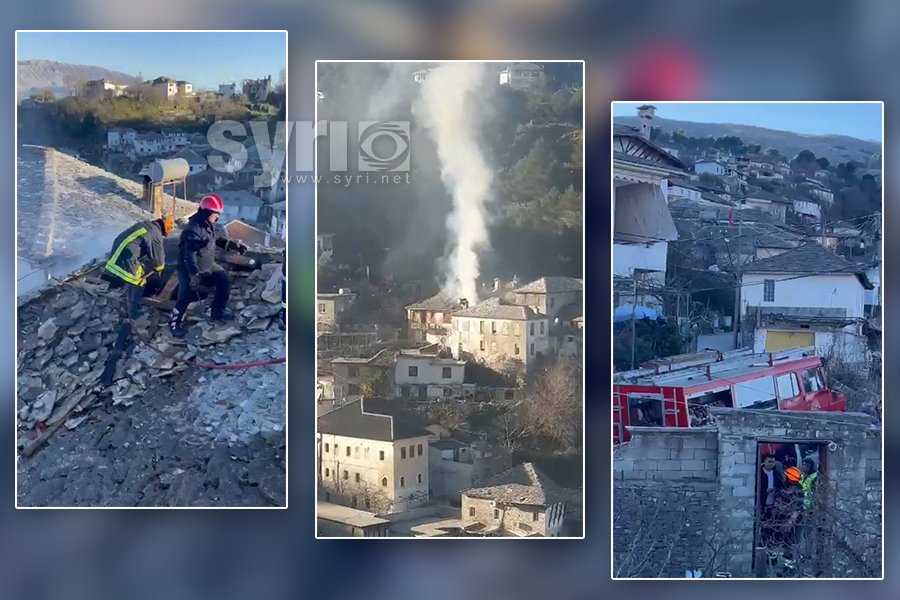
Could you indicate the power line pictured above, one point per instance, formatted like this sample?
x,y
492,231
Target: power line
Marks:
x,y
758,232
843,270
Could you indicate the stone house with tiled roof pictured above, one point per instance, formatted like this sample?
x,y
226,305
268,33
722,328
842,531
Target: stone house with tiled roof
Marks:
x,y
548,295
495,331
520,502
350,374
561,299
374,459
429,319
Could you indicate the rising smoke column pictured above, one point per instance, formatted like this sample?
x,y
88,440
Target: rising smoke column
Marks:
x,y
449,109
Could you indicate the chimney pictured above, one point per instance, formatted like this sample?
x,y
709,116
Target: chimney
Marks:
x,y
646,113
496,283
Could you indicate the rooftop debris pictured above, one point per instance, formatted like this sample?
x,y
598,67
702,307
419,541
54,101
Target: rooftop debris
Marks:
x,y
66,333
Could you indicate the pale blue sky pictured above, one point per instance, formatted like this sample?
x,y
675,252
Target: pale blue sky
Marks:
x,y
861,121
206,59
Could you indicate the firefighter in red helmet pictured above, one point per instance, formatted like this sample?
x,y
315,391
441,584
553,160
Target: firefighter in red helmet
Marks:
x,y
197,264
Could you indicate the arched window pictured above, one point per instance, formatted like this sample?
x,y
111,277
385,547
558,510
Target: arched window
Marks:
x,y
327,472
402,481
384,482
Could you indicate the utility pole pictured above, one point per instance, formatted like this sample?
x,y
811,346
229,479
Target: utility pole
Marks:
x,y
633,311
737,286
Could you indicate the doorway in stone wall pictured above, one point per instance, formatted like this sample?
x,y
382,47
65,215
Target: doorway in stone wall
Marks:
x,y
787,536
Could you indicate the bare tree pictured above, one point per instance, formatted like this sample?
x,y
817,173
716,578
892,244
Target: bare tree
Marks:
x,y
830,533
553,406
74,85
551,410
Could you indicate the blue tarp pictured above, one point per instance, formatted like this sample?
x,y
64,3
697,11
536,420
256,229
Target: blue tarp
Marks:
x,y
623,313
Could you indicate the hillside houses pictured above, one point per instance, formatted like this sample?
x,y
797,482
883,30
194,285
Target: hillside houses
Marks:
x,y
770,216
104,88
257,90
249,195
771,203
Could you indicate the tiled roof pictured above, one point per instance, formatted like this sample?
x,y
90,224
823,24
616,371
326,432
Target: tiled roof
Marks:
x,y
645,162
356,421
808,258
238,230
762,194
552,285
442,301
449,444
495,308
523,484
626,130
679,182
386,357
239,197
69,212
759,235
189,155
686,208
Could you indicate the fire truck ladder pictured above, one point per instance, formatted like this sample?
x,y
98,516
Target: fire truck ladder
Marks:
x,y
670,409
709,368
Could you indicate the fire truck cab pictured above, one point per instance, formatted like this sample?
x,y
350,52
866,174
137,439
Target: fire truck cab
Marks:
x,y
676,391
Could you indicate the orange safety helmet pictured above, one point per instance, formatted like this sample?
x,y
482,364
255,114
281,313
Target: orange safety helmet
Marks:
x,y
212,202
168,223
792,474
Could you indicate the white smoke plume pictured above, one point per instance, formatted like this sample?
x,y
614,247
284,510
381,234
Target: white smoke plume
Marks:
x,y
450,108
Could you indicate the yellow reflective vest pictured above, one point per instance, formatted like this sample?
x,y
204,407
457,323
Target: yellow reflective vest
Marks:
x,y
139,245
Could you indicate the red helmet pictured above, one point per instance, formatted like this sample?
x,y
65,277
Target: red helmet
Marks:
x,y
212,202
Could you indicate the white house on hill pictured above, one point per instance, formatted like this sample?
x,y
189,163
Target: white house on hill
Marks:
x,y
806,297
711,167
520,76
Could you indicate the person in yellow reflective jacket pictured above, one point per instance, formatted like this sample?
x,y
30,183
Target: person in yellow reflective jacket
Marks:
x,y
136,254
808,483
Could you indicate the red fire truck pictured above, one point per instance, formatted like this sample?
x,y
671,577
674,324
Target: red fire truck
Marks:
x,y
676,391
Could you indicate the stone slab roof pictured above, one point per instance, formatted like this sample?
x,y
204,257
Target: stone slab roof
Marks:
x,y
807,258
523,484
552,285
70,211
495,308
442,301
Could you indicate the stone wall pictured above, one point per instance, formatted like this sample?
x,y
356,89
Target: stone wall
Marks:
x,y
513,517
665,502
685,499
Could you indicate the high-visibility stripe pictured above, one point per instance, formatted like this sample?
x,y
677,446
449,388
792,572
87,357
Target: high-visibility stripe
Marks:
x,y
123,274
115,269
